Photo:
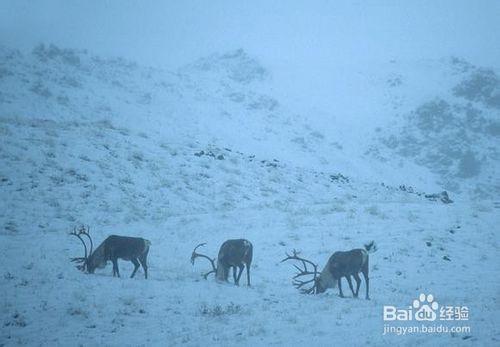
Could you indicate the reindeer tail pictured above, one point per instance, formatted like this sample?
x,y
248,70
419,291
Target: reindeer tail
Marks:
x,y
147,243
371,247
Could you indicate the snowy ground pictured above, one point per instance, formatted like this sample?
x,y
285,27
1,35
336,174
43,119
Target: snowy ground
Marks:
x,y
200,156
47,302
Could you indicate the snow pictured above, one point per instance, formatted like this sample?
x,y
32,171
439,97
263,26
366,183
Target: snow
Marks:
x,y
210,152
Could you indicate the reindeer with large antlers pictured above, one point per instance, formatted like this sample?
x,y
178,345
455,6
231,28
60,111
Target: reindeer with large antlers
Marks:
x,y
340,264
114,247
232,254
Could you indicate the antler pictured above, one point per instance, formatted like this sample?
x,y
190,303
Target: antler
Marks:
x,y
79,259
82,231
195,255
297,283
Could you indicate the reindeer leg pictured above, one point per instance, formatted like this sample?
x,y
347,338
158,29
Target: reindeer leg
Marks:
x,y
358,284
248,274
239,273
143,259
350,284
115,267
136,266
339,281
234,276
365,275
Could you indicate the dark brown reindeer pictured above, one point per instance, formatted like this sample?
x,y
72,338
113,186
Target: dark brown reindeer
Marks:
x,y
114,247
233,253
340,264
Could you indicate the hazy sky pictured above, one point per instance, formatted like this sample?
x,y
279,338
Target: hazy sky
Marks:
x,y
301,39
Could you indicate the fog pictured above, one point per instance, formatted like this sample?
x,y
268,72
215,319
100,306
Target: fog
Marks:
x,y
302,43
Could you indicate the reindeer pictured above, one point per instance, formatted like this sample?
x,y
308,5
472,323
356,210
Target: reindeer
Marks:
x,y
233,253
134,249
340,264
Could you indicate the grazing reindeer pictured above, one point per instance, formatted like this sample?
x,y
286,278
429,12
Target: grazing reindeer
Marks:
x,y
134,249
340,264
233,253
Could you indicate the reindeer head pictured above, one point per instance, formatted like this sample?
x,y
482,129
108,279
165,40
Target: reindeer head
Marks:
x,y
96,260
321,287
221,272
83,261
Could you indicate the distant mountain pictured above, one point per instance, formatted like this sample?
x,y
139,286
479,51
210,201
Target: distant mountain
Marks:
x,y
455,133
440,120
84,136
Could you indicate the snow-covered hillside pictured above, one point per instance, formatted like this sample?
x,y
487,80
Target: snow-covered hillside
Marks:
x,y
454,130
212,151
